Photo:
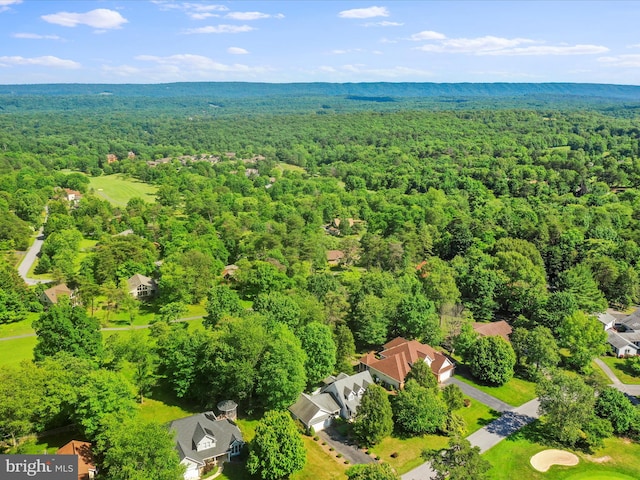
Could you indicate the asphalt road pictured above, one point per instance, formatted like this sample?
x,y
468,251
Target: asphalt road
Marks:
x,y
30,258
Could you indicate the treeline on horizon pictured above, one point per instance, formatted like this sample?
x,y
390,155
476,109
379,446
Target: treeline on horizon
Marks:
x,y
222,98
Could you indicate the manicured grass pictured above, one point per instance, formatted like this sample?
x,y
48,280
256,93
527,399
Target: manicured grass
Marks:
x,y
22,327
161,412
118,189
147,313
598,375
476,416
511,459
620,369
408,450
15,351
319,466
48,444
515,392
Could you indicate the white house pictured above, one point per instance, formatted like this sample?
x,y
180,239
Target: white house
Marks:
x,y
347,391
141,286
623,335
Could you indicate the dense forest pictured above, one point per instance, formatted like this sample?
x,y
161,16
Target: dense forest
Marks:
x,y
448,204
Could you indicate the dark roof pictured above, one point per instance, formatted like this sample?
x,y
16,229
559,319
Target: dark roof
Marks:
x,y
190,430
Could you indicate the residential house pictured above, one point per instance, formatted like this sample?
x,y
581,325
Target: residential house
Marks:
x,y
111,158
623,334
315,411
391,365
86,463
141,286
204,440
335,257
493,329
52,295
347,391
72,196
340,396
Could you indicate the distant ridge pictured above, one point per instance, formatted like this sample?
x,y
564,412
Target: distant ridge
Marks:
x,y
356,90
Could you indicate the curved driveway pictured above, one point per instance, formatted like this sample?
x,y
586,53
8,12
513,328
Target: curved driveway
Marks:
x,y
30,258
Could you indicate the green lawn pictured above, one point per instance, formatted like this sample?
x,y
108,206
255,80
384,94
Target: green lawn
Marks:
x,y
15,351
320,465
22,327
515,392
619,368
510,459
48,444
476,416
118,189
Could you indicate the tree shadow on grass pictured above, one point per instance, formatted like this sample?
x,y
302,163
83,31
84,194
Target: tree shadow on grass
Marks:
x,y
483,422
533,432
164,395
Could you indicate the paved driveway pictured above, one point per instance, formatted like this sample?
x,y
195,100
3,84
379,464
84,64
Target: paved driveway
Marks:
x,y
344,446
479,395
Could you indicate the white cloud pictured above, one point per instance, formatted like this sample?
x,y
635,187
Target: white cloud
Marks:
x,y
370,12
203,16
220,29
427,35
186,67
45,61
384,23
237,51
36,36
343,52
362,71
100,18
478,46
247,16
197,63
6,4
635,45
550,50
491,45
627,61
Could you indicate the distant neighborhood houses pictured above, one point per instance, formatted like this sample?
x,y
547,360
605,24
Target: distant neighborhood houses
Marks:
x,y
623,334
393,363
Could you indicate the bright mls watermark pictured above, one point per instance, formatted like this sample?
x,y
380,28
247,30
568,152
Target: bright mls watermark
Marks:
x,y
39,467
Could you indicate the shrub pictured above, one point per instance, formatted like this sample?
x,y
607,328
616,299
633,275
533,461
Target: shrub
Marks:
x,y
394,455
316,438
467,402
331,449
339,455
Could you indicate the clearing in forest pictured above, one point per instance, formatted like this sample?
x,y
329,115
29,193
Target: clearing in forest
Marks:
x,y
118,189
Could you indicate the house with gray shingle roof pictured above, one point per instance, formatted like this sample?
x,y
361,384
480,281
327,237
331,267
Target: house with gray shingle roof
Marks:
x,y
315,411
340,396
141,286
622,335
347,390
204,440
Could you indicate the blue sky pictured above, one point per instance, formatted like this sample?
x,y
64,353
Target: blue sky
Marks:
x,y
154,41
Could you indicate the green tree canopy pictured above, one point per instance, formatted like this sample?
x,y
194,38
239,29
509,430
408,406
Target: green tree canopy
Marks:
x,y
277,450
374,418
492,360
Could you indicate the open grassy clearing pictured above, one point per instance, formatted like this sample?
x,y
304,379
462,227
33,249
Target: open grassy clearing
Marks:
x,y
23,327
515,392
620,369
511,459
118,189
476,416
48,444
15,351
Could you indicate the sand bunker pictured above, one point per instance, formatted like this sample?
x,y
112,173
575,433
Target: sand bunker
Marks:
x,y
544,460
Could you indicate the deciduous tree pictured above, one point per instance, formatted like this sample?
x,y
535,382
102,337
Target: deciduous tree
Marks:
x,y
374,418
277,450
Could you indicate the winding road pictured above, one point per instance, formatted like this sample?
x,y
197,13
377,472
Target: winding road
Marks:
x,y
30,258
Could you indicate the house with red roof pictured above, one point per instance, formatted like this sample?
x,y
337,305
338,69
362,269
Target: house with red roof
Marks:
x,y
86,463
493,329
392,364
